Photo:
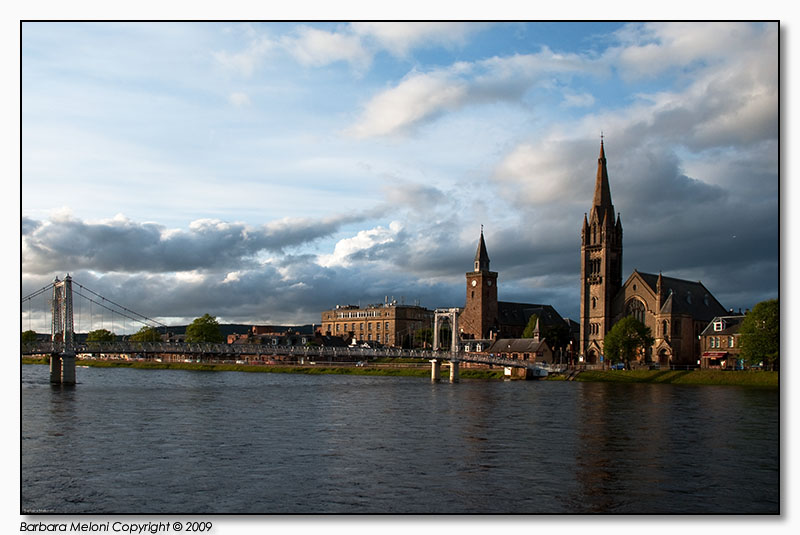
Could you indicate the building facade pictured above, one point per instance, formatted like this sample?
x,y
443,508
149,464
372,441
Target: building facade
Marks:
x,y
720,343
388,324
484,318
675,310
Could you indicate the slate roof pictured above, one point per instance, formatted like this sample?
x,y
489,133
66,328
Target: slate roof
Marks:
x,y
516,345
685,297
520,313
731,325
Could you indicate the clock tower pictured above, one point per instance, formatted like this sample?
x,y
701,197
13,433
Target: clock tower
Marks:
x,y
479,316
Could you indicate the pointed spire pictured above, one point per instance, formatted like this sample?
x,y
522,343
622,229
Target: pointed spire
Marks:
x,y
481,255
602,192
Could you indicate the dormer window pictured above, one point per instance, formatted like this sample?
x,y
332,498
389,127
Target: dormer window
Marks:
x,y
719,325
477,266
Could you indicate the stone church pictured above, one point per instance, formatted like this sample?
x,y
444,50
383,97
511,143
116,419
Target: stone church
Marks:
x,y
676,310
486,318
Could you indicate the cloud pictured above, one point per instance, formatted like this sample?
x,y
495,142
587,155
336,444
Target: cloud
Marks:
x,y
399,38
246,62
240,100
423,96
314,47
122,245
419,97
365,244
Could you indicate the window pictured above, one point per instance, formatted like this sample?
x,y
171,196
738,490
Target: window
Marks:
x,y
718,326
378,326
730,341
387,325
594,302
635,308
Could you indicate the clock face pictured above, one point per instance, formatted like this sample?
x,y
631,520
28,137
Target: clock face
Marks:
x,y
474,282
489,283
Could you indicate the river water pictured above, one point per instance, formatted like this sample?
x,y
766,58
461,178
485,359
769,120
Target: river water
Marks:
x,y
188,442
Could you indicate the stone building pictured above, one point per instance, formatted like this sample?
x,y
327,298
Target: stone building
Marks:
x,y
676,310
388,324
485,318
720,343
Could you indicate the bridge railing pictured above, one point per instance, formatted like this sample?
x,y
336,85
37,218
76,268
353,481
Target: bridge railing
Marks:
x,y
235,350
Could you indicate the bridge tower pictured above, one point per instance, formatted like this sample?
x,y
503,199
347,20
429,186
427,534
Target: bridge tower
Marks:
x,y
440,316
62,334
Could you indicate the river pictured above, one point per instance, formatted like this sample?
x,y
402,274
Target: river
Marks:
x,y
190,442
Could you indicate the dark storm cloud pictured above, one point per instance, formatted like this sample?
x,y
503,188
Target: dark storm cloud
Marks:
x,y
126,246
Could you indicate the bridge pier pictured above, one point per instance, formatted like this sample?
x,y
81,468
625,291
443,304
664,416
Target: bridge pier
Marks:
x,y
453,371
62,369
436,368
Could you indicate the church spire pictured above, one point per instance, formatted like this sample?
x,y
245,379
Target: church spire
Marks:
x,y
602,206
481,256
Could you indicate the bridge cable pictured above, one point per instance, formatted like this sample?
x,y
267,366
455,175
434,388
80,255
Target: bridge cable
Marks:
x,y
37,292
120,306
111,310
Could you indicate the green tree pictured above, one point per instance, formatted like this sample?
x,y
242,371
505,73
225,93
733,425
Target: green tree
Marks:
x,y
625,339
529,328
204,329
424,337
28,337
100,335
760,334
146,334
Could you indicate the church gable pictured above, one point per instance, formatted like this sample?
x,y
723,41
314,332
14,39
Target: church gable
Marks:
x,y
637,297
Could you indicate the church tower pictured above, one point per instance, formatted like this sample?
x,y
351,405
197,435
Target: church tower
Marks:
x,y
479,316
601,265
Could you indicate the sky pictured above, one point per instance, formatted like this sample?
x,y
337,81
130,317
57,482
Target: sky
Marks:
x,y
265,172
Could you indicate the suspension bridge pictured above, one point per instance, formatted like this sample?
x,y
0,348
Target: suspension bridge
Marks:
x,y
62,348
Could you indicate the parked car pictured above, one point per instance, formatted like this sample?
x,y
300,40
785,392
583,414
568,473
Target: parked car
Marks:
x,y
618,366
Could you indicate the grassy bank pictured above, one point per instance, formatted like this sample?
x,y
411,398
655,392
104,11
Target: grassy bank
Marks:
x,y
308,370
693,377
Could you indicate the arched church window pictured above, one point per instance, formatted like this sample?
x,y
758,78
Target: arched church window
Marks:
x,y
665,328
594,302
635,308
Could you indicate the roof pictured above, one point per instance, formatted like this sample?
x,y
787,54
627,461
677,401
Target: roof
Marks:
x,y
601,205
730,325
685,297
482,255
516,345
520,314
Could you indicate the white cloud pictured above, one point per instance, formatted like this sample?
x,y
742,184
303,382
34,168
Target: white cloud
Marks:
x,y
400,37
316,47
240,100
246,62
363,241
415,99
578,100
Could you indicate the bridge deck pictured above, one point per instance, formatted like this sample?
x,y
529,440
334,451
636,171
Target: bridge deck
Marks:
x,y
258,350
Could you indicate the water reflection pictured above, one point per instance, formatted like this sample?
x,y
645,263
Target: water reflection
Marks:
x,y
130,441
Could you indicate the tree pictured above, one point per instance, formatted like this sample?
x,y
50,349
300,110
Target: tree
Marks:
x,y
146,334
100,335
530,327
28,337
424,337
625,339
204,329
760,334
